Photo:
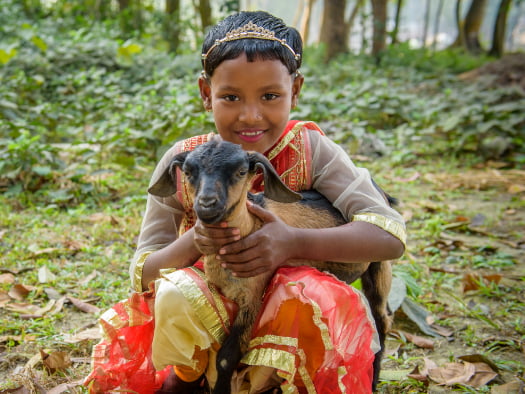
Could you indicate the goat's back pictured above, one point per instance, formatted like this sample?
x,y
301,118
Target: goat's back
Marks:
x,y
315,211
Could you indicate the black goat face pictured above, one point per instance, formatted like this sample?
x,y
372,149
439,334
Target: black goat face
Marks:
x,y
218,176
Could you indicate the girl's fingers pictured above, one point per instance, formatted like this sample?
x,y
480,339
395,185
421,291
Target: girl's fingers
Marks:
x,y
263,214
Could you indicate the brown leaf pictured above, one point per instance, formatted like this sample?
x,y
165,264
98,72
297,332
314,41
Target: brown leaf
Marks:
x,y
19,291
472,281
56,361
41,252
421,342
4,298
83,306
89,334
415,374
7,278
88,278
443,331
483,375
17,338
453,373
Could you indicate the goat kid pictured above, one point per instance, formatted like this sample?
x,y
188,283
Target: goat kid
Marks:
x,y
219,176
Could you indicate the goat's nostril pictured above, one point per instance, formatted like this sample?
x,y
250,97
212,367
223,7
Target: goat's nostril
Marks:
x,y
207,201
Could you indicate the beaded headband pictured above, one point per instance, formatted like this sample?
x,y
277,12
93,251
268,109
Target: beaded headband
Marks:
x,y
250,30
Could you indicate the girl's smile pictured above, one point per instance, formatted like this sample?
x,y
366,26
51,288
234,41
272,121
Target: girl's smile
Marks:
x,y
251,101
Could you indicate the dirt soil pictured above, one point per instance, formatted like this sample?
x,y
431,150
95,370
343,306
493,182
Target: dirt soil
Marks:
x,y
509,70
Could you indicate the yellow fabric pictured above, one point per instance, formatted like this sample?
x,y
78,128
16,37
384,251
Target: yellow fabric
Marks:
x,y
394,228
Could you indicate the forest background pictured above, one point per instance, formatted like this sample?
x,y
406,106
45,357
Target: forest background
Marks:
x,y
428,95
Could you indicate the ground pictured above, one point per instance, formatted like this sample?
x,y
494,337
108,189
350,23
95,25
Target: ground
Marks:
x,y
464,264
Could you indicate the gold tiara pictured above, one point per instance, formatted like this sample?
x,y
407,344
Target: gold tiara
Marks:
x,y
250,30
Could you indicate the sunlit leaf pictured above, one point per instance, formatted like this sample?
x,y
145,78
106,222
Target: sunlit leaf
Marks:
x,y
39,42
45,275
6,55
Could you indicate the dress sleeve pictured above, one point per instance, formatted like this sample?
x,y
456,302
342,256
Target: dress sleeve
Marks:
x,y
160,223
350,188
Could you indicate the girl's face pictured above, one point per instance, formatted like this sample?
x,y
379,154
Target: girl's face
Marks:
x,y
251,101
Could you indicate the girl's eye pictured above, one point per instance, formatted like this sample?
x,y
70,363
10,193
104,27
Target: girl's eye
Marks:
x,y
270,96
231,97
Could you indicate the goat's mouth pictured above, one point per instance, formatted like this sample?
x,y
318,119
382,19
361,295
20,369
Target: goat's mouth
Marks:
x,y
211,215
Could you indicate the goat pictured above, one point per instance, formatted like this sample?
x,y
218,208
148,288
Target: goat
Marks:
x,y
219,175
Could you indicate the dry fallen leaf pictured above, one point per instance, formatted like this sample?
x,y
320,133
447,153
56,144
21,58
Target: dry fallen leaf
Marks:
x,y
55,361
7,278
88,278
19,291
424,343
89,334
45,275
453,373
475,374
472,281
83,306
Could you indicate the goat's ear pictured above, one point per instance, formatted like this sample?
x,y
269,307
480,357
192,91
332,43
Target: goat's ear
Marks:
x,y
166,185
274,187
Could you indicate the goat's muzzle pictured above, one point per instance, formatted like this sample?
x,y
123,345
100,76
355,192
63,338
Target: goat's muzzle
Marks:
x,y
209,209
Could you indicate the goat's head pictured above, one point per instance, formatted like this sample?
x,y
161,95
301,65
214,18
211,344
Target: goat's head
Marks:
x,y
219,175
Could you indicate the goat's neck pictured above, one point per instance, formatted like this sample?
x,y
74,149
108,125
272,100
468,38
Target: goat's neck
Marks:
x,y
242,219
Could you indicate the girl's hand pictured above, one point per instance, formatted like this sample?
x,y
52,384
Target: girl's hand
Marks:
x,y
209,239
264,250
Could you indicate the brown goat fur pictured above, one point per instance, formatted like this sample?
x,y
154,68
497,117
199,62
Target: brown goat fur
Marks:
x,y
219,176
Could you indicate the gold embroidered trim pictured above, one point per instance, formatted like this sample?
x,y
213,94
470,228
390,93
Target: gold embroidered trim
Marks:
x,y
217,298
204,310
286,140
276,358
317,318
341,373
394,228
137,273
305,376
275,340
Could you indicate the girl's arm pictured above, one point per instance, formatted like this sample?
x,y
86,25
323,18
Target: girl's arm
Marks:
x,y
187,249
276,242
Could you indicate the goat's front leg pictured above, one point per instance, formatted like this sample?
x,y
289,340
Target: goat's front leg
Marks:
x,y
233,348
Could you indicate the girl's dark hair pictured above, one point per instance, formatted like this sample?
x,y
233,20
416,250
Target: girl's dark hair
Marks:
x,y
255,49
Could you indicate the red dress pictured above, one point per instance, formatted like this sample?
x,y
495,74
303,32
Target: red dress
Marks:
x,y
314,331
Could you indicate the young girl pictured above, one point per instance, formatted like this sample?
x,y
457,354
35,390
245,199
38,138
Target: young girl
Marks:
x,y
315,333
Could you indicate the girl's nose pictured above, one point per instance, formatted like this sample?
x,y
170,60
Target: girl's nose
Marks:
x,y
250,113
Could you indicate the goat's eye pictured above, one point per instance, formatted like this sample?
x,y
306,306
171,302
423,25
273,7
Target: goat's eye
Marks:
x,y
242,172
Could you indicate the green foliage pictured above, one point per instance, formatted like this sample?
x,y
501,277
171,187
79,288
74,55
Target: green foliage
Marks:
x,y
105,102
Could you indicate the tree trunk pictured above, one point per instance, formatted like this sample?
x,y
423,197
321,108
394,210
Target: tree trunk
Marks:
x,y
472,25
364,27
171,25
205,14
349,24
123,5
297,16
396,23
333,29
500,28
379,11
436,24
425,24
305,21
